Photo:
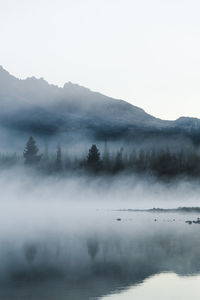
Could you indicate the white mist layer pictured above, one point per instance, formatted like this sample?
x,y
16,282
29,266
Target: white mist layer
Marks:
x,y
19,185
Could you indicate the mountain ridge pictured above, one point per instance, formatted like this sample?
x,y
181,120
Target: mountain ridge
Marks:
x,y
34,106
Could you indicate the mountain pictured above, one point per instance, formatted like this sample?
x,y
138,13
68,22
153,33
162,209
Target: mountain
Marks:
x,y
34,106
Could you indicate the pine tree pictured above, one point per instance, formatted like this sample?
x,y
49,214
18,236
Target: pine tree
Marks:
x,y
118,163
45,160
93,158
45,156
141,161
132,159
106,157
30,152
58,159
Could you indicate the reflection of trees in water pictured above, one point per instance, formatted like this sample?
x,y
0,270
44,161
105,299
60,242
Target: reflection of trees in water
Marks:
x,y
100,263
161,251
30,253
93,247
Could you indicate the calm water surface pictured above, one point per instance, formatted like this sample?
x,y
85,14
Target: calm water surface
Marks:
x,y
66,257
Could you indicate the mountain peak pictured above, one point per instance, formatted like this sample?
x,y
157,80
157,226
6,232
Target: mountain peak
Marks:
x,y
70,85
36,81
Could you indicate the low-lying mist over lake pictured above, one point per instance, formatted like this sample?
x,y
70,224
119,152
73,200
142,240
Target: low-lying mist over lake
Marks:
x,y
26,185
78,237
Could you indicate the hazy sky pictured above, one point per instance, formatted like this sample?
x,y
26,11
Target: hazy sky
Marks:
x,y
145,51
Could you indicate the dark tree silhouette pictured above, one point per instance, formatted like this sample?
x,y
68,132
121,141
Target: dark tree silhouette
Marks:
x,y
118,163
31,151
93,247
93,158
45,155
106,158
141,161
58,159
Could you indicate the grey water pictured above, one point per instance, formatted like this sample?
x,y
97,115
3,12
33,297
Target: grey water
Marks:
x,y
61,253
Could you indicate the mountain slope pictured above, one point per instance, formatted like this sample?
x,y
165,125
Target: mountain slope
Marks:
x,y
34,106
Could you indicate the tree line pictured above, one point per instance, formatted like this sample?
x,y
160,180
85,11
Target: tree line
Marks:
x,y
160,163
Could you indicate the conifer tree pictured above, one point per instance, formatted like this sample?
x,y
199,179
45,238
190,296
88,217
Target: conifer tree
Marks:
x,y
93,158
141,161
106,157
31,152
46,153
118,163
58,159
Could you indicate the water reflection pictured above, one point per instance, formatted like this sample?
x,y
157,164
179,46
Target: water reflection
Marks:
x,y
98,257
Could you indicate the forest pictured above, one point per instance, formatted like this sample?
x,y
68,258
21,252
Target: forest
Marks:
x,y
161,163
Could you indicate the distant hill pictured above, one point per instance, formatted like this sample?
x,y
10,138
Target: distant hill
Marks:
x,y
33,106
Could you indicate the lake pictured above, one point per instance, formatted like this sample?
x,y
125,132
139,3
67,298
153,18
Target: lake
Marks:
x,y
98,254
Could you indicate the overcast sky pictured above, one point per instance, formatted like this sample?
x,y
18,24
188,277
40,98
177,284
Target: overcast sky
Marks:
x,y
144,51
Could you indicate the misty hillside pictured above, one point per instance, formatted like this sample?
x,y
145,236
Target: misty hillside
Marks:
x,y
34,106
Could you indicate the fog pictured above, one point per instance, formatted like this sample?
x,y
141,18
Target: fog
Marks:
x,y
25,185
60,235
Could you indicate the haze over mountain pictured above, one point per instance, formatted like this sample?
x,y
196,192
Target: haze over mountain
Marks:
x,y
33,106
